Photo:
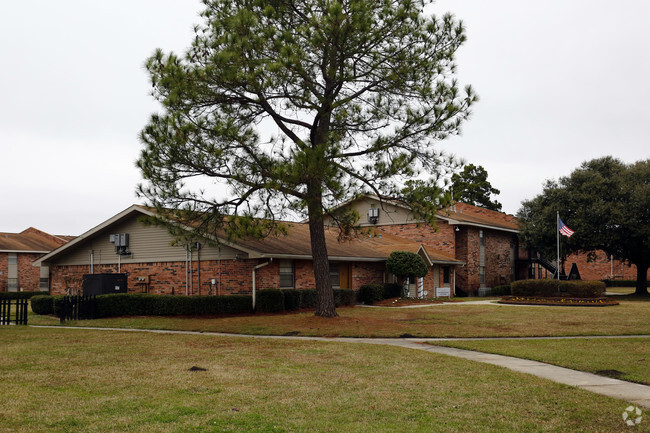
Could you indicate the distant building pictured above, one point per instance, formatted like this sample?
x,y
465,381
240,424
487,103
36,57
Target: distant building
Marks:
x,y
17,253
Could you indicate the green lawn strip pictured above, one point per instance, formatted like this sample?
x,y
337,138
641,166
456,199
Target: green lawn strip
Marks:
x,y
59,380
628,318
626,359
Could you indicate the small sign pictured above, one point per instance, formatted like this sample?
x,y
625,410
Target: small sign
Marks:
x,y
444,292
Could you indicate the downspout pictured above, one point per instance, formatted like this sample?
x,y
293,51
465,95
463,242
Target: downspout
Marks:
x,y
254,271
92,260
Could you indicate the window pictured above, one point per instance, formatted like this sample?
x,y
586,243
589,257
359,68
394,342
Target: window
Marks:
x,y
335,275
286,274
44,284
13,258
12,284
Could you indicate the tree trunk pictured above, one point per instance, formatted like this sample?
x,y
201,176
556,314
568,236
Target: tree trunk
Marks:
x,y
325,305
641,279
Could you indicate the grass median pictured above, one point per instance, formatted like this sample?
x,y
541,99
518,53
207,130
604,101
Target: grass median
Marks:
x,y
61,380
626,359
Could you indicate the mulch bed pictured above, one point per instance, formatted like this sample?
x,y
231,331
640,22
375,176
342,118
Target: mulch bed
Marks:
x,y
566,302
405,302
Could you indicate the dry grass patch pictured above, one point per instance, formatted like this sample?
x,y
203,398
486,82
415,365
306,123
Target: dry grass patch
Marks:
x,y
60,380
457,320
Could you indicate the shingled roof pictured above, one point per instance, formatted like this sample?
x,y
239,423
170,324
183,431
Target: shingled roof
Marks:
x,y
30,240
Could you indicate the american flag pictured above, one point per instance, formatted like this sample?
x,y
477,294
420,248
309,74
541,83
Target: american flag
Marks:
x,y
564,230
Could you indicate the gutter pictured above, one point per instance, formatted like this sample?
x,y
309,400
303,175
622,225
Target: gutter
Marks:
x,y
260,266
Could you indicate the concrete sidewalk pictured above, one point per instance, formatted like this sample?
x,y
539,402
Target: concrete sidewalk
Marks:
x,y
628,391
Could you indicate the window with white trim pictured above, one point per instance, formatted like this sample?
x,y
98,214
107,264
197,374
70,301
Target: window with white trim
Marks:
x,y
286,274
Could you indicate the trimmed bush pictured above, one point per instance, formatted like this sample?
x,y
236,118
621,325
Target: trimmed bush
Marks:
x,y
21,295
344,297
291,299
142,304
405,263
392,290
42,304
371,293
270,301
501,290
620,283
555,288
307,298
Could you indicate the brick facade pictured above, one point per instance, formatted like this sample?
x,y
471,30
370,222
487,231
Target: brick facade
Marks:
x,y
440,237
4,269
601,268
232,277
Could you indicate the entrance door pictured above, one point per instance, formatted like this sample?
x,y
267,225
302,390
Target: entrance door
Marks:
x,y
345,276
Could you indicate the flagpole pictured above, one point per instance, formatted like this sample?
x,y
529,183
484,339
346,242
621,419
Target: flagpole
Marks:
x,y
557,232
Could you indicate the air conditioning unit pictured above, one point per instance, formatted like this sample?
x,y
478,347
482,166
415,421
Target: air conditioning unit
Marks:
x,y
373,215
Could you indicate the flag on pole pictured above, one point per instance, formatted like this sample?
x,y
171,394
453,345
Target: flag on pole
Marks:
x,y
563,228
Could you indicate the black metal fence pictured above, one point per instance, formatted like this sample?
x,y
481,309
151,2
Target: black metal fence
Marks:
x,y
19,312
77,308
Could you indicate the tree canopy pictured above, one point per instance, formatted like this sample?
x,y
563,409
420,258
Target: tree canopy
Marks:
x,y
471,186
298,105
606,202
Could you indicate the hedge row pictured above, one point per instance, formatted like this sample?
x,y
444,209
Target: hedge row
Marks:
x,y
20,295
555,288
371,293
278,300
141,304
620,283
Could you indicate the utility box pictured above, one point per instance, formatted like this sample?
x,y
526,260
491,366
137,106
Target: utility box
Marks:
x,y
104,284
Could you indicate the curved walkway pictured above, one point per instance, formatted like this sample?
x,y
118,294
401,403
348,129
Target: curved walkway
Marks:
x,y
631,392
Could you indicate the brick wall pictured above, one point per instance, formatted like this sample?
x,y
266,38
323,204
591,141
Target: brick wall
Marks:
x,y
4,265
441,238
601,268
28,276
232,276
236,276
497,261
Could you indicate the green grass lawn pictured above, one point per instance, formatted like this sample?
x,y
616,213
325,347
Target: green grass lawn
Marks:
x,y
452,320
64,380
629,356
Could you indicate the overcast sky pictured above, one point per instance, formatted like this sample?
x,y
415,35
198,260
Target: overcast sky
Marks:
x,y
560,82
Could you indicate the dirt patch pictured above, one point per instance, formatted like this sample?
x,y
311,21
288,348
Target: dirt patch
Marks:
x,y
614,374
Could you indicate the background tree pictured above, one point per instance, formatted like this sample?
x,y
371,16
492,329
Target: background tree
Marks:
x,y
297,105
471,186
606,202
404,264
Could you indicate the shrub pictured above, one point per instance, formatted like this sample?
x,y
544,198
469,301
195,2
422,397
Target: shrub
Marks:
x,y
371,293
42,304
291,299
21,295
344,297
501,290
404,264
392,290
620,283
270,301
142,304
554,288
307,298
